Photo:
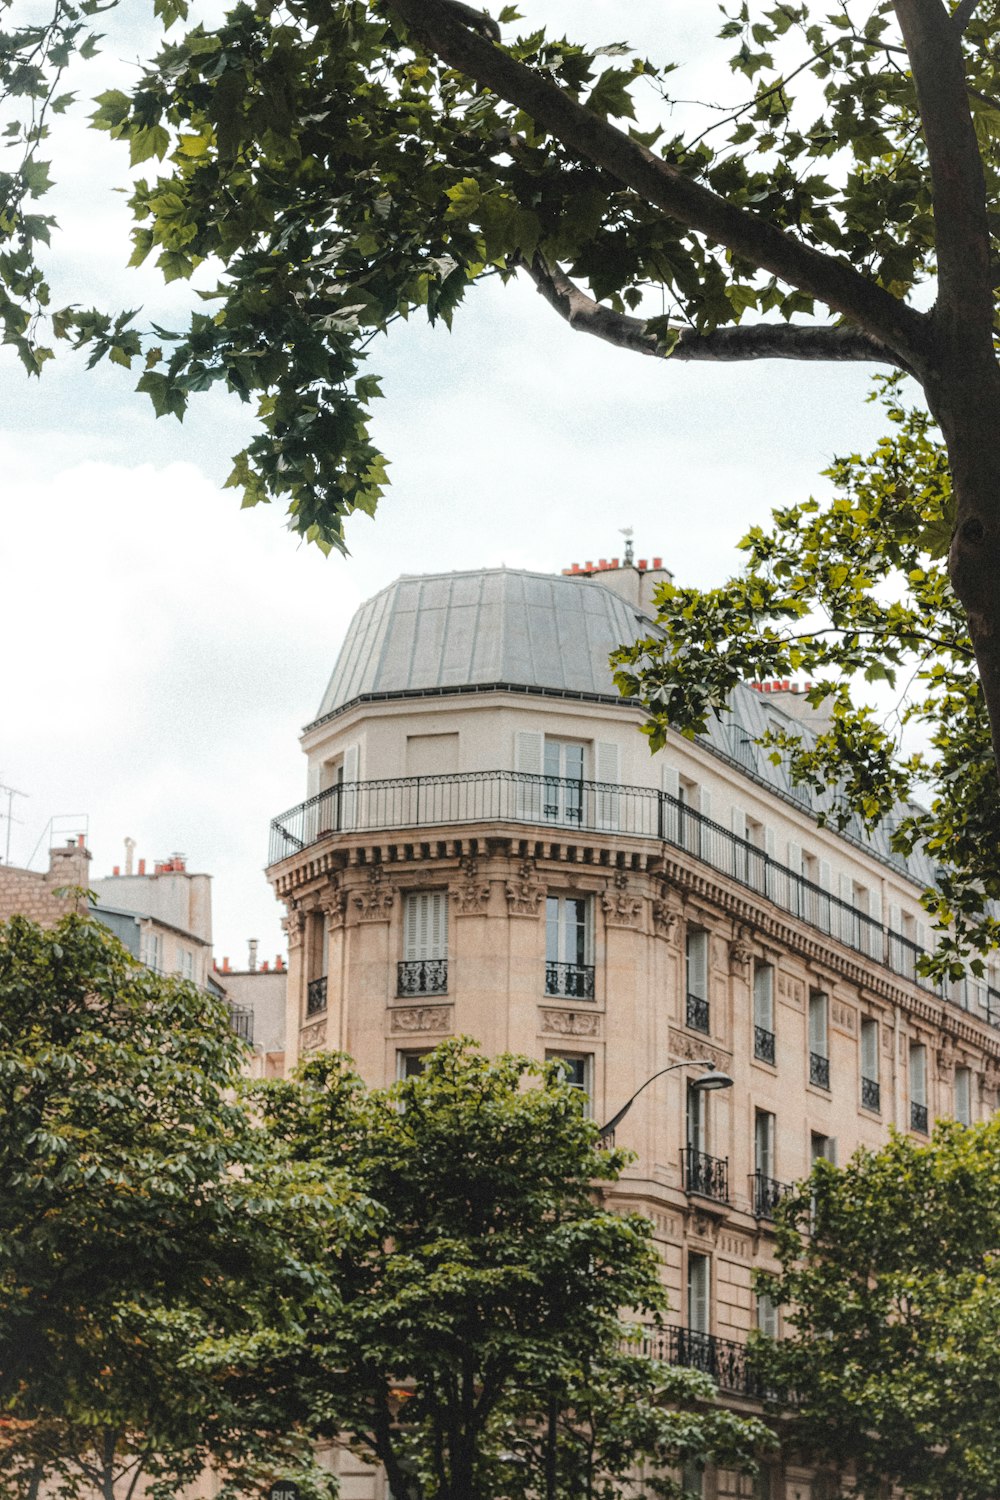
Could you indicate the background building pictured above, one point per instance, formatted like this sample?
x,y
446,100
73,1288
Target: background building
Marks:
x,y
488,847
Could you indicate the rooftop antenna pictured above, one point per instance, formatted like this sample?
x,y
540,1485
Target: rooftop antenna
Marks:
x,y
628,533
10,792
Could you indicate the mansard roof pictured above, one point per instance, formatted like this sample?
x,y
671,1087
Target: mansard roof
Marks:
x,y
494,625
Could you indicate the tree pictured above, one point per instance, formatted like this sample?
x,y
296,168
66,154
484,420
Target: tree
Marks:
x,y
476,1344
350,162
856,588
891,1280
143,1234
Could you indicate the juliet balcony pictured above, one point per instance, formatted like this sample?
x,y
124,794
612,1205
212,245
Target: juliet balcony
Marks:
x,y
730,1364
606,808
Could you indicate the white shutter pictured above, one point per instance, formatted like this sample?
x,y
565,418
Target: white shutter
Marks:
x,y
795,857
739,821
606,770
528,759
705,802
825,907
349,791
817,1024
425,925
698,1293
697,963
874,946
845,921
671,820
739,862
763,996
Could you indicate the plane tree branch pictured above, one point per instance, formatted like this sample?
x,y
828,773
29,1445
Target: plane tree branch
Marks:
x,y
445,30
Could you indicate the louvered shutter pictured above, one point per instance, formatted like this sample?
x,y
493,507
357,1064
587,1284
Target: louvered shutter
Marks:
x,y
528,762
697,963
607,772
698,1293
349,805
845,914
669,817
425,925
874,928
826,906
739,863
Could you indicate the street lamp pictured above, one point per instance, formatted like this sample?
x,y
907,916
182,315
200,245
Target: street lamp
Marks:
x,y
713,1079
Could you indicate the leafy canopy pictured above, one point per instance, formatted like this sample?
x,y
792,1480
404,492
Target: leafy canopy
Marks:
x,y
890,1279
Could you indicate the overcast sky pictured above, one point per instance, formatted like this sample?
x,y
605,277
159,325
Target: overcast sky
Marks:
x,y
163,650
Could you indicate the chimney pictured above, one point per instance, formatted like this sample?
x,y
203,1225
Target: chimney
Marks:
x,y
225,966
252,946
265,966
116,870
142,867
129,851
279,965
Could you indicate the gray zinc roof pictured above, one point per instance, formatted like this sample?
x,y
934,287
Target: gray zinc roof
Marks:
x,y
495,625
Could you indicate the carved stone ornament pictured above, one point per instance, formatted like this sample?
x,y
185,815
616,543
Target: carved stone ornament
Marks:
x,y
375,902
946,1058
333,905
524,894
571,1023
622,907
740,953
704,1227
312,1036
687,1048
989,1078
421,1018
294,924
666,920
472,894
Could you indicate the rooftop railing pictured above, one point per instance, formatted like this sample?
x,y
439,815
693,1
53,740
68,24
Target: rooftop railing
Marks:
x,y
572,807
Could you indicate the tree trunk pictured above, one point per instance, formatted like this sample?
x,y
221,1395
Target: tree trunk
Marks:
x,y
964,397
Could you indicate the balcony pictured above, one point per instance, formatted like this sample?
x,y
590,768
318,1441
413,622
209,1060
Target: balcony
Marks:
x,y
819,1070
696,1013
871,1095
766,1193
570,981
241,1020
728,1363
422,976
918,1117
316,995
763,1044
708,1176
595,807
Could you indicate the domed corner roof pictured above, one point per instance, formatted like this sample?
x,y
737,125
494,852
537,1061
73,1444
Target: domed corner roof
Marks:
x,y
496,625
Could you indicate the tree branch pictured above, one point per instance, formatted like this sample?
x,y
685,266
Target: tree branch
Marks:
x,y
829,279
754,341
961,229
962,14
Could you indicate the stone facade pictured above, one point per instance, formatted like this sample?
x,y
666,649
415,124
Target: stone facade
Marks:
x,y
45,897
718,923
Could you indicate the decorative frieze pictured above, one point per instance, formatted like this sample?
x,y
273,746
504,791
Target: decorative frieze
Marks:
x,y
410,1019
736,1245
570,1023
684,1046
374,901
843,1017
471,896
791,990
312,1036
622,907
524,894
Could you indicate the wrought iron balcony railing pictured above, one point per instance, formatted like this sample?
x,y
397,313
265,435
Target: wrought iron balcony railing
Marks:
x,y
766,1193
696,1013
729,1363
819,1070
422,976
763,1044
572,981
241,1020
708,1176
316,995
598,807
918,1117
871,1095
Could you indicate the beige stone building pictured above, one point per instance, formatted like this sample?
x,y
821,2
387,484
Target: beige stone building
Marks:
x,y
46,895
488,847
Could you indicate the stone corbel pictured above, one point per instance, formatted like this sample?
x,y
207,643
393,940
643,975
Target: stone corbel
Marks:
x,y
524,894
946,1058
471,897
666,918
740,953
622,907
374,902
333,905
294,925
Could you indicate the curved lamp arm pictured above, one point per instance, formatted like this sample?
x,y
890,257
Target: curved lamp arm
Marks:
x,y
696,1062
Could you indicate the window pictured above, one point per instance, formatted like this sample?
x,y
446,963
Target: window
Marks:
x,y
424,966
763,1142
696,968
819,1057
918,1087
185,962
705,1175
336,809
578,1068
697,1118
410,1064
822,1148
767,1316
562,800
698,1293
154,951
763,1012
963,1096
870,1087
316,960
569,964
